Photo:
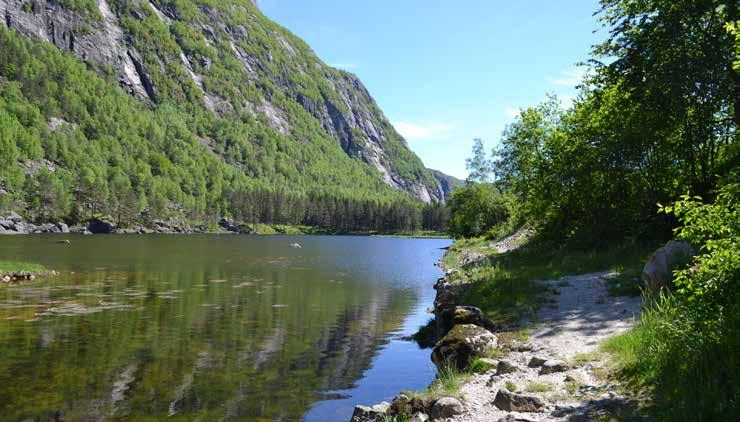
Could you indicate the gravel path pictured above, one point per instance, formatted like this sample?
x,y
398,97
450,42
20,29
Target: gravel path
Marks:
x,y
568,330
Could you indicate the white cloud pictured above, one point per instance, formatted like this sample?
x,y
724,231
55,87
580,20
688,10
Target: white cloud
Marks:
x,y
422,131
346,66
511,112
569,77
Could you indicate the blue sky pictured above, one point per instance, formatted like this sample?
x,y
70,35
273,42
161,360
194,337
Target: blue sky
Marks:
x,y
445,72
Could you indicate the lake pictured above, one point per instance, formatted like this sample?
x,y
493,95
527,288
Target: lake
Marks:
x,y
213,327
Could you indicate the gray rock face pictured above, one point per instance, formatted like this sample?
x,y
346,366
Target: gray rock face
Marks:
x,y
462,345
446,407
552,366
512,402
104,45
370,414
658,271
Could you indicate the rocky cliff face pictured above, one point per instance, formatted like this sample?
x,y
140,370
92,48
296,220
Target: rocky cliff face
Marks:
x,y
228,58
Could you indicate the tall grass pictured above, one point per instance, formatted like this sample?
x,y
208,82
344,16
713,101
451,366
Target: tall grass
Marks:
x,y
448,383
686,361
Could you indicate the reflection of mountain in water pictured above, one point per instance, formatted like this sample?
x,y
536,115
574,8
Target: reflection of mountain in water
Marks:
x,y
211,356
200,327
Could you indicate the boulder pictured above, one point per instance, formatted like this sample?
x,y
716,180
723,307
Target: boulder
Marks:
x,y
446,407
512,402
536,362
63,227
512,418
450,316
100,226
506,367
462,345
658,272
419,417
552,366
376,413
228,224
563,410
422,404
401,406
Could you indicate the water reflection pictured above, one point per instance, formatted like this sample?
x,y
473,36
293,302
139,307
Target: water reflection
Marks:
x,y
211,328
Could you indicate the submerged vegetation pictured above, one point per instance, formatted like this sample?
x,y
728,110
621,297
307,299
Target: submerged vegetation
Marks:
x,y
7,267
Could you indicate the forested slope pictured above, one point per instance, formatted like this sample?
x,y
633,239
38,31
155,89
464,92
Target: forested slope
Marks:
x,y
194,109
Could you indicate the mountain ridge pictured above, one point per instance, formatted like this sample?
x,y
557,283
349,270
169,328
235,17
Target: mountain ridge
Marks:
x,y
192,52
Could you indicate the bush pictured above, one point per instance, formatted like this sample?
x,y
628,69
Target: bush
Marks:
x,y
693,335
481,208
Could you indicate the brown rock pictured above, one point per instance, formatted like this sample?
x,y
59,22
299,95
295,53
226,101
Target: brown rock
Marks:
x,y
512,402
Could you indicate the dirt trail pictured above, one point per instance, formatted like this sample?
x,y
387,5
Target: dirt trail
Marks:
x,y
569,330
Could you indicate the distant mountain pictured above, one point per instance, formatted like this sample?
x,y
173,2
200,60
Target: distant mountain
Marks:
x,y
447,182
254,97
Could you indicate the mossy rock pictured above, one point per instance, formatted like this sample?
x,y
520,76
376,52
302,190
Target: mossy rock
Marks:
x,y
462,345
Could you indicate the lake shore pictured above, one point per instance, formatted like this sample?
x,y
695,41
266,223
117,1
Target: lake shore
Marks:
x,y
14,224
543,363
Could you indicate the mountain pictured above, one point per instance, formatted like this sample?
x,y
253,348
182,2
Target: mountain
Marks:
x,y
447,183
218,83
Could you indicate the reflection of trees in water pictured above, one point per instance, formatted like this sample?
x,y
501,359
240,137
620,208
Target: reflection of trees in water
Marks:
x,y
235,358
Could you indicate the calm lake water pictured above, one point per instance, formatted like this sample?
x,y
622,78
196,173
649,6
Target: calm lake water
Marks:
x,y
209,327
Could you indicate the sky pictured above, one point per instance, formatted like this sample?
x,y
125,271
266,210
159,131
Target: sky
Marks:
x,y
445,72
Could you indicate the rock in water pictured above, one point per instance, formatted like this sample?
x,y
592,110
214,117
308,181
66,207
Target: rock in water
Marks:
x,y
295,245
552,366
462,345
658,272
446,407
376,413
448,317
512,402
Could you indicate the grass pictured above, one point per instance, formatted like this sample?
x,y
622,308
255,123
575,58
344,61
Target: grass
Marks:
x,y
572,387
686,363
626,283
510,386
539,387
505,287
480,366
14,267
448,383
581,359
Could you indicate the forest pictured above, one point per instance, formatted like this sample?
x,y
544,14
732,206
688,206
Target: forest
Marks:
x,y
86,149
647,152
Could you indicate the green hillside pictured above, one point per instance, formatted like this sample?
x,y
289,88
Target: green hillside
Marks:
x,y
208,110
